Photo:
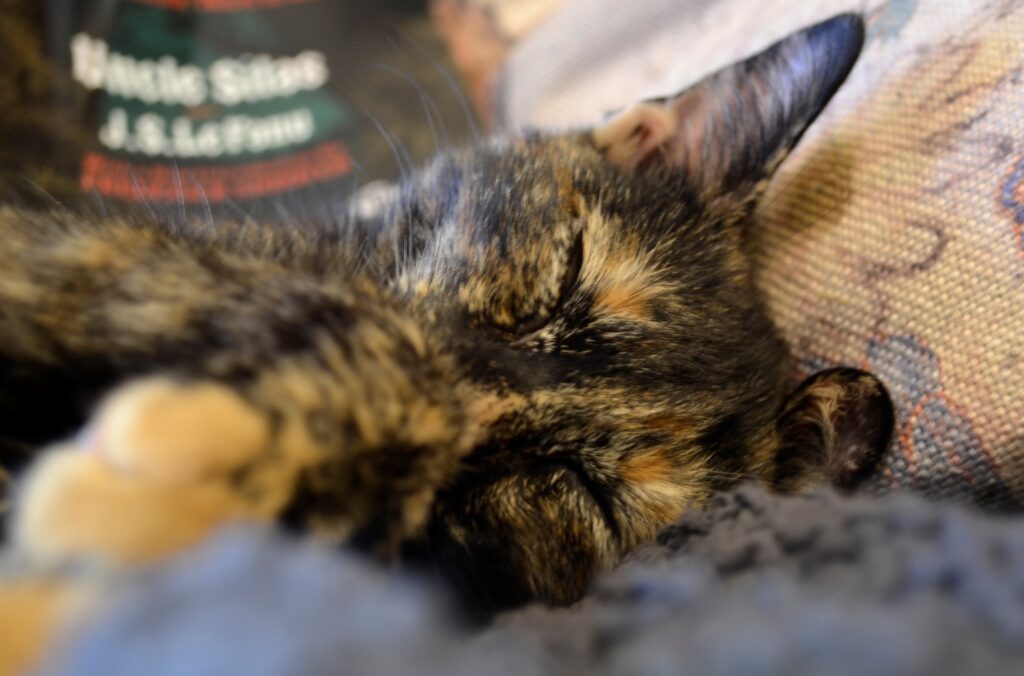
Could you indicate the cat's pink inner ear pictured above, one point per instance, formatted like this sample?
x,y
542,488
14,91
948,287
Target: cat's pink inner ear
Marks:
x,y
636,134
671,133
731,130
698,142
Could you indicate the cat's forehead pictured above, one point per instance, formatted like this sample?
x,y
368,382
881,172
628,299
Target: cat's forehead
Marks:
x,y
504,202
510,187
504,217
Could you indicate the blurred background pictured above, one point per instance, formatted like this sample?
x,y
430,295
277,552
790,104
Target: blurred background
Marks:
x,y
262,106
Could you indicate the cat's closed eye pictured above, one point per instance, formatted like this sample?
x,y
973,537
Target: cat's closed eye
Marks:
x,y
570,278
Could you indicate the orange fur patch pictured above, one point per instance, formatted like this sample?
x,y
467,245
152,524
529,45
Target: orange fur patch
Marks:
x,y
645,468
625,301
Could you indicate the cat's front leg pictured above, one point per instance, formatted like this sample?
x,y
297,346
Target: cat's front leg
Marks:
x,y
348,441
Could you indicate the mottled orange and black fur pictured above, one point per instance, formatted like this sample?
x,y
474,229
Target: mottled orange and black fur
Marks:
x,y
530,358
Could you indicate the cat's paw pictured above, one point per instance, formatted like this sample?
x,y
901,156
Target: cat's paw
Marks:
x,y
33,611
151,475
172,432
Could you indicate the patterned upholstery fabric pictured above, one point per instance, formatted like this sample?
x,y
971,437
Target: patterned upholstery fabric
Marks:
x,y
893,239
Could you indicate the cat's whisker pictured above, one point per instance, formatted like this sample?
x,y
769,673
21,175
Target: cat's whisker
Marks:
x,y
360,169
42,192
456,90
247,218
282,211
179,192
722,473
408,246
143,200
404,167
398,255
99,202
396,243
365,260
430,108
428,105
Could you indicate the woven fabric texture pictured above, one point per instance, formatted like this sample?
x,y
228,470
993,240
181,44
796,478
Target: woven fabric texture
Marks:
x,y
756,585
893,239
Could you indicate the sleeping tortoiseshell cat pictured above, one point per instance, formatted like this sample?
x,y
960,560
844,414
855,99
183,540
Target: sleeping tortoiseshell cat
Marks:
x,y
539,352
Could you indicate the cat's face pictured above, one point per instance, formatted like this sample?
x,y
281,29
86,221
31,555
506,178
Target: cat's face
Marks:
x,y
618,362
594,293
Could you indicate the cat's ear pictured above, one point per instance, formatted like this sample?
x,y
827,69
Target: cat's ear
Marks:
x,y
834,426
731,130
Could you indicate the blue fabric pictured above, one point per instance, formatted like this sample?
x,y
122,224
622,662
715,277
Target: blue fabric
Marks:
x,y
755,585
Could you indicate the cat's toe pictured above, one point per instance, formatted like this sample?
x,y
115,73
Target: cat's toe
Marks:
x,y
74,504
32,610
171,431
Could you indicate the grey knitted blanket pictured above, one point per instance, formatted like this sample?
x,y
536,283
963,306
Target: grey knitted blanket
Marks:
x,y
756,584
